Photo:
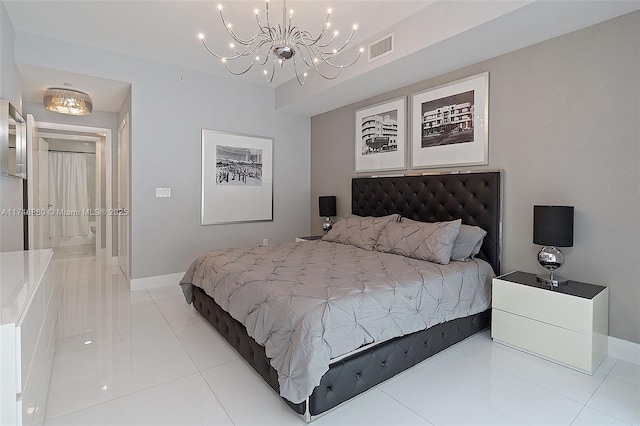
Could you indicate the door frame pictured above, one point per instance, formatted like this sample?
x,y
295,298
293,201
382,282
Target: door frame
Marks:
x,y
123,181
103,141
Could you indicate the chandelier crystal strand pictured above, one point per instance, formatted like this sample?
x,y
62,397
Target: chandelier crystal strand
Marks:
x,y
284,41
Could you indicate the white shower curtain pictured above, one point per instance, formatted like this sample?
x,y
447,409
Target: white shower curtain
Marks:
x,y
68,194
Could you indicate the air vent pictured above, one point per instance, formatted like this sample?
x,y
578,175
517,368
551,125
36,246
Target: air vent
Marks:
x,y
380,48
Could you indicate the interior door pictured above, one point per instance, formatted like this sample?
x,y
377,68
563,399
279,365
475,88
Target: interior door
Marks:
x,y
43,193
123,196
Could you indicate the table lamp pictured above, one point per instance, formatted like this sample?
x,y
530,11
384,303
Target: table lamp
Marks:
x,y
327,207
552,228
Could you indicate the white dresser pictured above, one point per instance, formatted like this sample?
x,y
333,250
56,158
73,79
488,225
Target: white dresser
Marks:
x,y
567,324
29,304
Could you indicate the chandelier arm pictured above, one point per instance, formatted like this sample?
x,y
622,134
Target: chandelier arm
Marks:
x,y
310,40
304,58
233,35
327,77
346,42
306,38
273,71
335,51
238,73
242,41
230,58
324,30
295,70
247,51
327,43
266,59
204,43
315,66
331,64
262,27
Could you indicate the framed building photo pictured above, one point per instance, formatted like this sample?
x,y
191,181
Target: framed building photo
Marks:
x,y
237,178
381,136
449,124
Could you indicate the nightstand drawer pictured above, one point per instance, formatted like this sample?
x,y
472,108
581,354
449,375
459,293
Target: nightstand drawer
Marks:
x,y
562,310
555,343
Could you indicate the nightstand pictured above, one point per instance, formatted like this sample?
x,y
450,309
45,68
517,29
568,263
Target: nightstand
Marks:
x,y
568,325
311,238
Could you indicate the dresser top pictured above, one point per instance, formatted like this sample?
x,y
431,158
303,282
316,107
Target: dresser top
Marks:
x,y
572,288
20,274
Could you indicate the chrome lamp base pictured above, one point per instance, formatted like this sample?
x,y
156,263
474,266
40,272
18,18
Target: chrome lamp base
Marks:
x,y
551,280
551,257
327,225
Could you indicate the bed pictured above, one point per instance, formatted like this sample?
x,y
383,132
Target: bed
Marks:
x,y
348,363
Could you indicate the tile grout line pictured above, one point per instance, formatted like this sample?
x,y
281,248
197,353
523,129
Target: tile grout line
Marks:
x,y
192,360
116,398
536,384
595,391
75,352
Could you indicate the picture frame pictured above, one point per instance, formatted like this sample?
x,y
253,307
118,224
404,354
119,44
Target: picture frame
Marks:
x,y
450,124
237,178
380,136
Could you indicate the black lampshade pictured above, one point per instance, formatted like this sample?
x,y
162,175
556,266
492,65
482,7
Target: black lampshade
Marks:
x,y
553,226
327,205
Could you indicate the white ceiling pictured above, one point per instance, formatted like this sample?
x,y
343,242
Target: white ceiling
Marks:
x,y
166,31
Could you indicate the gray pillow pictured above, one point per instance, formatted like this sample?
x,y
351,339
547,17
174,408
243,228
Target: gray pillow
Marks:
x,y
468,242
420,240
359,231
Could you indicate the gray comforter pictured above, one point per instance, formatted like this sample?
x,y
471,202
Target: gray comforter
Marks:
x,y
309,302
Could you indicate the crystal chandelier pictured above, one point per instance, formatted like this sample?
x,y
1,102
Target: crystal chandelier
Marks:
x,y
66,101
278,44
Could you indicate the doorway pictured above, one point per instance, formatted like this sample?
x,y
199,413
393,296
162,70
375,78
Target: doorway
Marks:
x,y
69,223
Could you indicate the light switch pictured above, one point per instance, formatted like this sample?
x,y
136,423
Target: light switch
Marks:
x,y
163,192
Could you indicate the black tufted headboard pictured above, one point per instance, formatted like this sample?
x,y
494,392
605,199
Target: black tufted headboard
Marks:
x,y
472,197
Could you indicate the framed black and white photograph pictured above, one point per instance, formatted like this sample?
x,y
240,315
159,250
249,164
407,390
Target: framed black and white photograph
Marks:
x,y
237,178
380,136
449,124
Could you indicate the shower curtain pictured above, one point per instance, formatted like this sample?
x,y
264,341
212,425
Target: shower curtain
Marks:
x,y
68,194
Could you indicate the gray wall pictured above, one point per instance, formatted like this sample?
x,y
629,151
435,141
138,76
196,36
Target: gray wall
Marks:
x,y
563,124
167,118
11,227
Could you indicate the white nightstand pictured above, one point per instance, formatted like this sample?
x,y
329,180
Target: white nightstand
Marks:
x,y
568,325
311,238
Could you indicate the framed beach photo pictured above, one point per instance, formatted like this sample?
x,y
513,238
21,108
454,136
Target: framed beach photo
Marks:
x,y
450,123
381,136
237,178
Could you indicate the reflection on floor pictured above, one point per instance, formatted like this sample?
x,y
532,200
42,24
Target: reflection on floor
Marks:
x,y
74,251
133,358
74,241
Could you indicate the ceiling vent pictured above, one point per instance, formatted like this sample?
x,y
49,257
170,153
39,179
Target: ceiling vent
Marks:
x,y
380,48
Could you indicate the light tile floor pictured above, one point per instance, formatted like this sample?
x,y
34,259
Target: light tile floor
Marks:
x,y
134,358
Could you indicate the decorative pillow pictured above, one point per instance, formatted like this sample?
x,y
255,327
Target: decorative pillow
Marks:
x,y
420,240
359,231
468,242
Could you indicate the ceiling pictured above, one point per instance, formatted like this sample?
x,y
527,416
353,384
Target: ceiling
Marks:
x,y
166,31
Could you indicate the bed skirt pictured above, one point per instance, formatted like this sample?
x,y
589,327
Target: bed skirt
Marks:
x,y
353,374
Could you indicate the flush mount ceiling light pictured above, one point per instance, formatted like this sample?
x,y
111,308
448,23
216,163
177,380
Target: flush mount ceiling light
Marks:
x,y
66,101
278,44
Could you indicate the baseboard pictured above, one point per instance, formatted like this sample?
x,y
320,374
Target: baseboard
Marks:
x,y
624,350
156,281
